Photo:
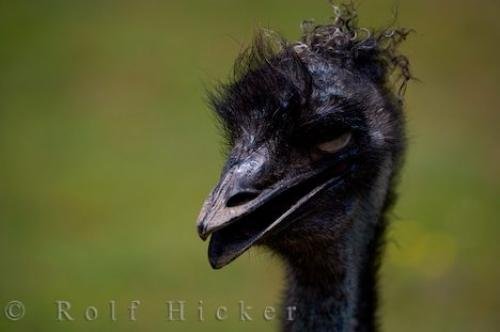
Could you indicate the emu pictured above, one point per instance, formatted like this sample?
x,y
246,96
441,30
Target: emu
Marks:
x,y
316,137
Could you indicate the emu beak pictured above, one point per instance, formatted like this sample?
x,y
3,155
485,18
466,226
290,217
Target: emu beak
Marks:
x,y
236,218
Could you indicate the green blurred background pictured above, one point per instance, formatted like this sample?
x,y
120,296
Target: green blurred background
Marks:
x,y
107,151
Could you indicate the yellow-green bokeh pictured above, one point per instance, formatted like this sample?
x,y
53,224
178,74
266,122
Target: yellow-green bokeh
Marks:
x,y
107,151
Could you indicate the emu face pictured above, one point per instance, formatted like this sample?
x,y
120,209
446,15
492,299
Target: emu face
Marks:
x,y
310,140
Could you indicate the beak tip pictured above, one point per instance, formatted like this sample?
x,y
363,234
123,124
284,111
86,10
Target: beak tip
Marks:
x,y
202,232
215,263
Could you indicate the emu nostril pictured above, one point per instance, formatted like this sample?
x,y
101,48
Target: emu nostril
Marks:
x,y
241,198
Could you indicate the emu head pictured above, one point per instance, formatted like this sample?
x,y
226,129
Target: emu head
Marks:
x,y
315,136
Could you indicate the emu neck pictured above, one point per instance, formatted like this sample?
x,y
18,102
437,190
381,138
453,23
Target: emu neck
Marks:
x,y
333,288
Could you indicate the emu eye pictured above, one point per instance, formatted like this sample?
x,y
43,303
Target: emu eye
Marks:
x,y
336,144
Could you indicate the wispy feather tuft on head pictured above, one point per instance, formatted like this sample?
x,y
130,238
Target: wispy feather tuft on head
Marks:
x,y
316,137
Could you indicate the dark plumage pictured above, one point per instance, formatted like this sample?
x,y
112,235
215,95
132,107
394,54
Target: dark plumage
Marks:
x,y
316,137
